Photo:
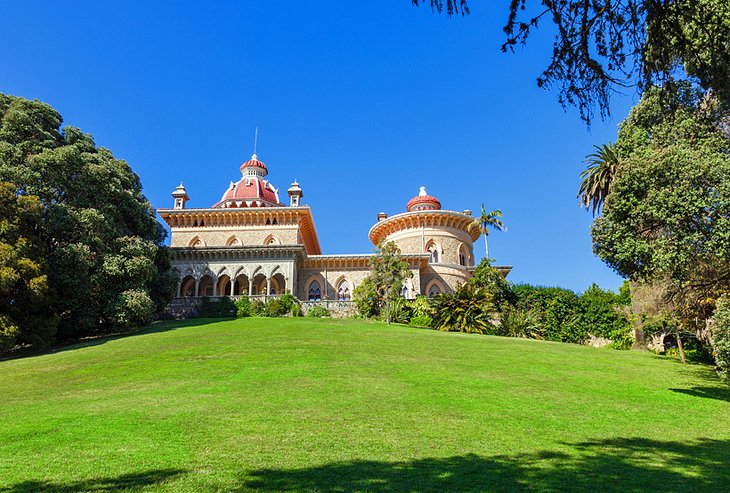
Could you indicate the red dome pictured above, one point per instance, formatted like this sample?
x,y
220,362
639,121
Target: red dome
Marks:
x,y
423,202
253,162
250,192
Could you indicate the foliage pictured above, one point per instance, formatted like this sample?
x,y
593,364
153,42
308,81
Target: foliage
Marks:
x,y
26,316
559,311
280,306
421,306
221,306
259,308
468,309
366,299
244,307
521,323
487,221
421,321
597,178
387,273
318,311
599,313
720,332
400,310
133,308
488,278
100,233
605,46
296,310
667,216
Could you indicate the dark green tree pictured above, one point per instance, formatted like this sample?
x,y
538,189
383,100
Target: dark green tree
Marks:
x,y
100,233
601,47
493,281
468,309
666,218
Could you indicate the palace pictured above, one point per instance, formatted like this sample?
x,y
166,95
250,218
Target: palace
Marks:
x,y
251,243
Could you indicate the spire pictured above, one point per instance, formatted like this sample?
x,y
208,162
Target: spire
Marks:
x,y
422,192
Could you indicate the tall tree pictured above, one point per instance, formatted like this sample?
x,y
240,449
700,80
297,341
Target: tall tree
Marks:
x,y
597,178
487,221
602,47
387,273
100,233
667,214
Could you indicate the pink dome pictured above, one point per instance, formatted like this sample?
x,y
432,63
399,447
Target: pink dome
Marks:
x,y
423,202
254,162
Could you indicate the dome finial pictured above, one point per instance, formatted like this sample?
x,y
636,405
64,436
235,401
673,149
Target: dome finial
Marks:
x,y
255,141
422,192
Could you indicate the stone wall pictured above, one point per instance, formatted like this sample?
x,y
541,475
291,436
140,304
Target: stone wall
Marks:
x,y
250,236
338,309
329,280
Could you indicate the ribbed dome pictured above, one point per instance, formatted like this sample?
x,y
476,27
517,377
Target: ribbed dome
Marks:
x,y
423,202
253,163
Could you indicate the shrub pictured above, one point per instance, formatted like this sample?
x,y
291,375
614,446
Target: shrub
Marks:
x,y
521,323
599,314
366,299
296,310
244,307
276,307
219,307
490,279
8,333
133,308
400,310
559,309
421,321
421,307
468,309
318,311
259,308
720,336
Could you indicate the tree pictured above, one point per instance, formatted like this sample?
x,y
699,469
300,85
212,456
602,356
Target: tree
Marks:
x,y
102,240
487,221
601,47
387,273
26,316
493,281
667,215
597,178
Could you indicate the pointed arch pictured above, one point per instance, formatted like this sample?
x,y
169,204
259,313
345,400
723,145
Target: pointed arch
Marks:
x,y
433,288
272,240
196,242
314,288
233,241
434,250
344,288
464,255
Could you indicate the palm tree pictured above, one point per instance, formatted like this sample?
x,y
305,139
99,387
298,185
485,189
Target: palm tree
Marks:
x,y
489,220
597,179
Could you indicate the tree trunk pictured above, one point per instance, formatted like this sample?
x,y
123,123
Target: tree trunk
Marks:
x,y
486,248
387,308
680,346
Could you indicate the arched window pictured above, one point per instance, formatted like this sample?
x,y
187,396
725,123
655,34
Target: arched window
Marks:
x,y
404,292
434,290
463,255
434,255
343,291
315,292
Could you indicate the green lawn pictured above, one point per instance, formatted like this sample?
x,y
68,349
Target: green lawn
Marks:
x,y
340,405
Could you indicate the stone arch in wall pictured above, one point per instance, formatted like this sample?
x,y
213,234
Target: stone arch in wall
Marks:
x,y
314,288
233,241
187,286
434,287
464,255
196,242
434,250
344,288
272,240
407,290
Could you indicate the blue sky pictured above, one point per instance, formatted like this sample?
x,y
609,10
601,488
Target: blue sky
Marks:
x,y
362,102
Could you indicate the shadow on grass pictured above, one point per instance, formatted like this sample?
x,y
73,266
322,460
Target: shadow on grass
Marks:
x,y
719,393
162,326
125,482
617,465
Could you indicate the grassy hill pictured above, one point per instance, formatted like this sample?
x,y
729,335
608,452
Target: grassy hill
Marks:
x,y
340,405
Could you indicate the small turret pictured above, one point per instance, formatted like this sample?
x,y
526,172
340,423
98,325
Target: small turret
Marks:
x,y
180,196
295,194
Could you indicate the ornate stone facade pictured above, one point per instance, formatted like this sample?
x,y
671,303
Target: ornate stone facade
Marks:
x,y
249,243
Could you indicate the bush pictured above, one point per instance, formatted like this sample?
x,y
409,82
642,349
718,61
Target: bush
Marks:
x,y
366,299
8,333
468,309
421,321
559,309
521,323
244,307
318,311
220,307
490,279
400,311
720,337
259,308
296,310
133,308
